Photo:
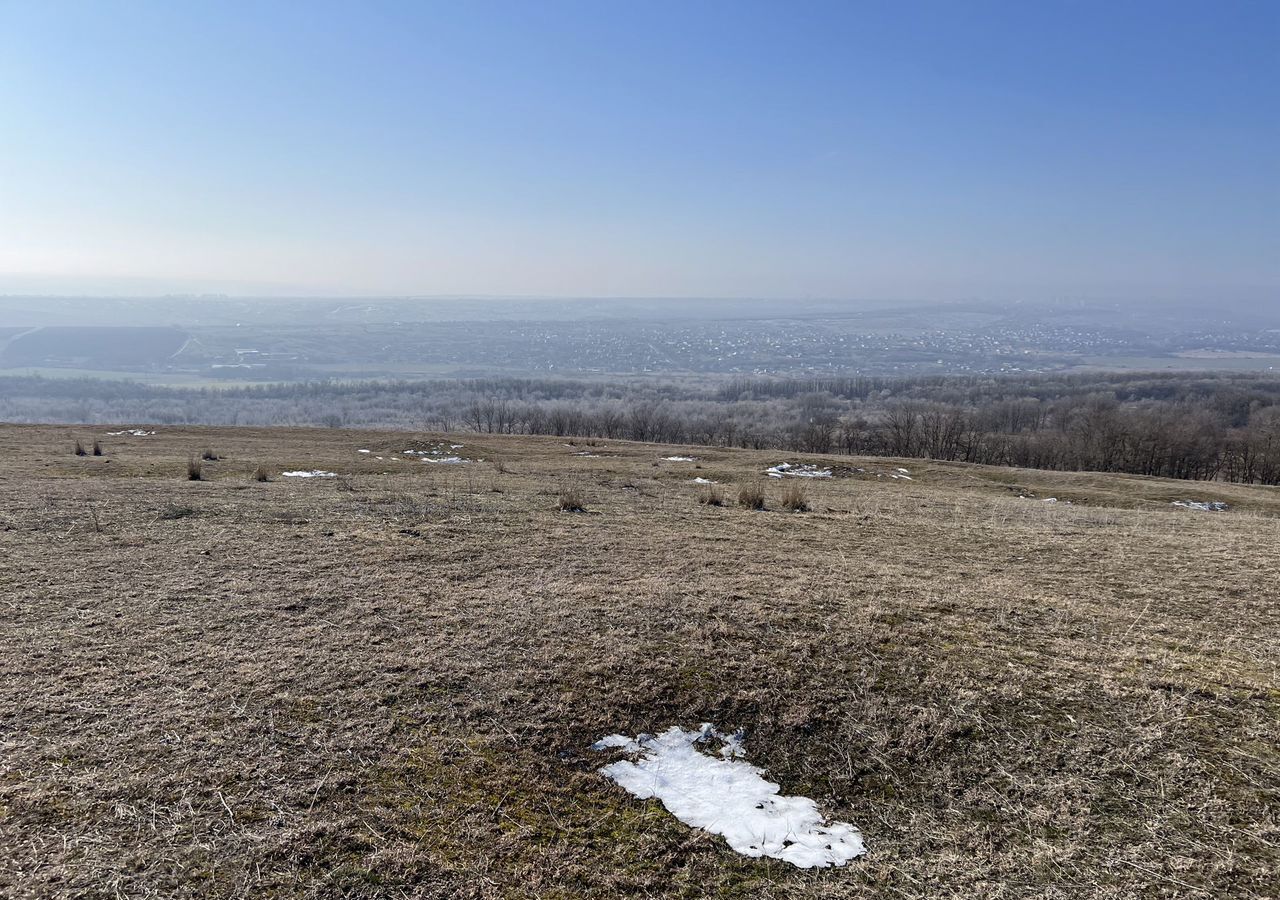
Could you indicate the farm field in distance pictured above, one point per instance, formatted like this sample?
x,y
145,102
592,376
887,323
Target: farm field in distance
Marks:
x,y
386,683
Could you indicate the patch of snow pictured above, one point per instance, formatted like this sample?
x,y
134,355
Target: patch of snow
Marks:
x,y
796,470
729,797
313,474
903,477
1203,505
364,451
680,458
136,432
617,741
904,471
447,460
701,480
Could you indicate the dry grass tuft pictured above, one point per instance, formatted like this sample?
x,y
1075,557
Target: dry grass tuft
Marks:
x,y
79,449
261,474
209,455
97,448
571,499
711,495
751,495
795,497
195,471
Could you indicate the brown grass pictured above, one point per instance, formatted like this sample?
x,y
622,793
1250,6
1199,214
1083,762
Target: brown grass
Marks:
x,y
711,495
795,496
571,499
79,449
97,448
261,474
195,471
751,495
304,691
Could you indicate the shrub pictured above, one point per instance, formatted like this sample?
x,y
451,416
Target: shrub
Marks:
x,y
795,497
195,472
210,455
751,495
79,451
711,495
97,448
571,500
260,474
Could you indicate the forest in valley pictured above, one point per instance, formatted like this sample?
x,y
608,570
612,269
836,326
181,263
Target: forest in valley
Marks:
x,y
1201,427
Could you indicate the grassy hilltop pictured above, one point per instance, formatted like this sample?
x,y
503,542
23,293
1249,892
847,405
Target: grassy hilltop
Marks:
x,y
386,683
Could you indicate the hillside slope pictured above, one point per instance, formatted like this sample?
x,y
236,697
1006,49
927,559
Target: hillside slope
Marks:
x,y
387,683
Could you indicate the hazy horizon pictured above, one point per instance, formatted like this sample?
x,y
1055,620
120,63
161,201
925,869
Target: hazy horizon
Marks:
x,y
908,152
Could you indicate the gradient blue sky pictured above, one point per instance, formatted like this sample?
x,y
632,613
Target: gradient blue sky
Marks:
x,y
864,150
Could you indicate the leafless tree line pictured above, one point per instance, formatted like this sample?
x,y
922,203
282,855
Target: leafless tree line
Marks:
x,y
1181,426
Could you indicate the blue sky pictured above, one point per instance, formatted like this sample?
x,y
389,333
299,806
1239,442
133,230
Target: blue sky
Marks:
x,y
864,150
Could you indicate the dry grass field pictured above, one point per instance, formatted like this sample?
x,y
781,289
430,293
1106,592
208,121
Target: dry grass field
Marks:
x,y
386,683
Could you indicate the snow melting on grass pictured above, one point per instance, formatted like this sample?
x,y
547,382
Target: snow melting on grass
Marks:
x,y
729,797
680,458
1203,505
136,432
364,451
437,451
316,473
796,470
904,471
899,475
446,460
700,480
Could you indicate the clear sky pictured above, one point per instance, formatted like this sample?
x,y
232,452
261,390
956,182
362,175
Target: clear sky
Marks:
x,y
788,149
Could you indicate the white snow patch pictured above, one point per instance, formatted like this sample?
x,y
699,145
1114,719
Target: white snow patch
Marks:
x,y
316,473
680,458
447,460
1203,505
136,432
617,740
729,797
796,470
904,471
897,475
364,451
701,480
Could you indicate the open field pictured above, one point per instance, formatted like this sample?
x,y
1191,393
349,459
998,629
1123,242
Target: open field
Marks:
x,y
386,684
